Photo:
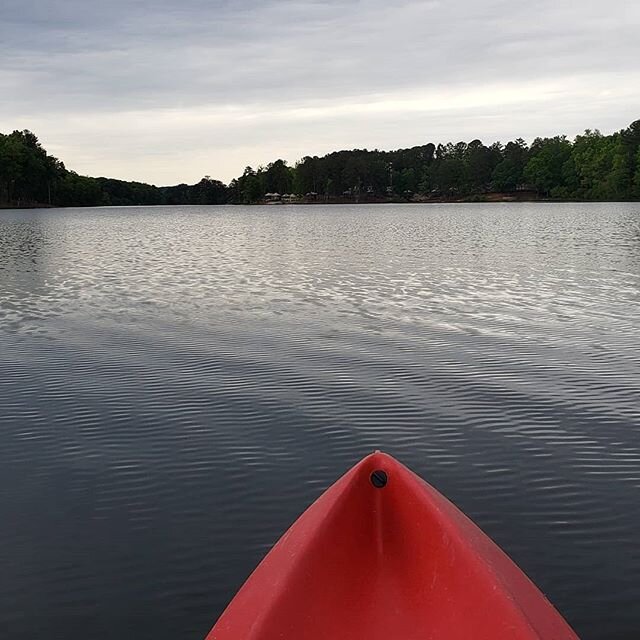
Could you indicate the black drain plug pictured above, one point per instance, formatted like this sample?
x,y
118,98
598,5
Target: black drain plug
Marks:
x,y
378,478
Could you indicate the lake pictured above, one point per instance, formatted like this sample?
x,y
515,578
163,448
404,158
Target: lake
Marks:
x,y
178,383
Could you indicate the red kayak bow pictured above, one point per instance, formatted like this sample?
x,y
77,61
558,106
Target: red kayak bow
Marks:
x,y
381,555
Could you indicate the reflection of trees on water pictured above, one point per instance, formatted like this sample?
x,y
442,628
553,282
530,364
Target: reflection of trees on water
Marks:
x,y
23,269
628,237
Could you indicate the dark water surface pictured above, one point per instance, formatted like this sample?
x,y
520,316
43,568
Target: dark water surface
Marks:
x,y
177,384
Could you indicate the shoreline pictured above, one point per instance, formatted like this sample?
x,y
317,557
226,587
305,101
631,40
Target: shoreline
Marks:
x,y
330,201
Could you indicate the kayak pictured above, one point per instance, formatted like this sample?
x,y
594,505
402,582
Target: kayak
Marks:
x,y
381,555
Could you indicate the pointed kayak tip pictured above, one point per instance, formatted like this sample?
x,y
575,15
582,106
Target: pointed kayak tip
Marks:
x,y
381,554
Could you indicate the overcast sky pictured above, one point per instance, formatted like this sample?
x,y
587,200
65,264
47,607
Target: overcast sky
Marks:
x,y
167,91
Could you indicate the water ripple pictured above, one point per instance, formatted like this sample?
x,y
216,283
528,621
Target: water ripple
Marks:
x,y
179,383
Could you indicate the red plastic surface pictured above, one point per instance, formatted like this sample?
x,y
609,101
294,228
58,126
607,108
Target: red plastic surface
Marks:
x,y
393,563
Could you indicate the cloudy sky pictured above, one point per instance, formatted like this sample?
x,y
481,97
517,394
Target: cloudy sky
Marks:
x,y
167,91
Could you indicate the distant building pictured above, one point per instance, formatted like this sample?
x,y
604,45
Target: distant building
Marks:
x,y
273,198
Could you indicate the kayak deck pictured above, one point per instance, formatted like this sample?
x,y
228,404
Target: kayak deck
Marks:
x,y
381,555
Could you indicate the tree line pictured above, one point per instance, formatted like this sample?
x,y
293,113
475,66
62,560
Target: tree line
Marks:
x,y
30,176
593,166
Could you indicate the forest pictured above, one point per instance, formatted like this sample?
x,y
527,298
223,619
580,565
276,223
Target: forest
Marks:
x,y
593,166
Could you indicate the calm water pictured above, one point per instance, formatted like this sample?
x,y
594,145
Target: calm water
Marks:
x,y
177,384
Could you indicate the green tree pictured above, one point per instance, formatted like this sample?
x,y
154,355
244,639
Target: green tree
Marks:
x,y
544,170
480,162
250,188
279,178
508,172
635,190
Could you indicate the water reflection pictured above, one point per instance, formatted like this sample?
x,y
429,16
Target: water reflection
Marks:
x,y
207,372
23,270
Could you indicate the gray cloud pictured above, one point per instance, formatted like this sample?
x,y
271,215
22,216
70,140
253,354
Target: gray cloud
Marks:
x,y
167,91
